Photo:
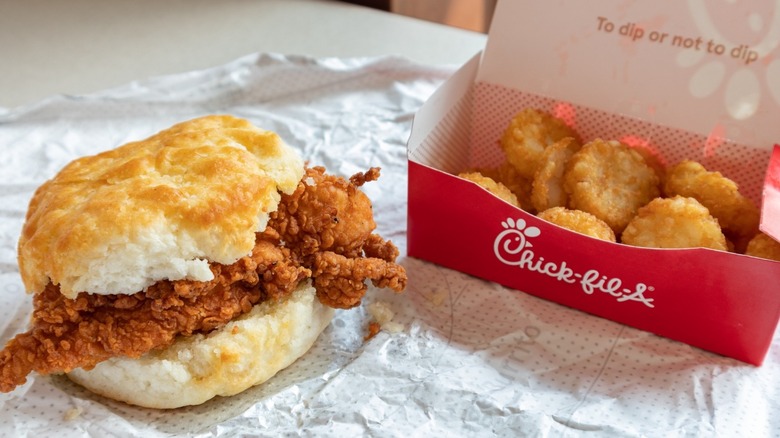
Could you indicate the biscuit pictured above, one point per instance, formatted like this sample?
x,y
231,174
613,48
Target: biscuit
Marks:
x,y
160,208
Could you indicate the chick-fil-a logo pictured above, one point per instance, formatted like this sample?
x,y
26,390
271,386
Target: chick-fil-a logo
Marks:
x,y
513,247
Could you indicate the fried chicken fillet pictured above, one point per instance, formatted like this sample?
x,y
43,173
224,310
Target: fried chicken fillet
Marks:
x,y
323,230
329,223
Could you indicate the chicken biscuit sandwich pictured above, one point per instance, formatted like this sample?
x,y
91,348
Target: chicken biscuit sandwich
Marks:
x,y
198,262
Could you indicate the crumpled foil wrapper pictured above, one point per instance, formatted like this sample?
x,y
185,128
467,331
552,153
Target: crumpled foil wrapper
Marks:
x,y
461,356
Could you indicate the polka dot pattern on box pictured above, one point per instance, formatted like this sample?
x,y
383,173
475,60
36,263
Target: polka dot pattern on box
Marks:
x,y
447,146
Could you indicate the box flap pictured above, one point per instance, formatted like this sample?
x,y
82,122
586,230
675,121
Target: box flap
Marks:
x,y
450,105
709,68
444,98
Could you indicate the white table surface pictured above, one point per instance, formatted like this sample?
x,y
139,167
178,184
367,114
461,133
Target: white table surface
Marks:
x,y
81,46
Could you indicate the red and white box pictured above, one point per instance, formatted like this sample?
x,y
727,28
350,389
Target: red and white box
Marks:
x,y
689,80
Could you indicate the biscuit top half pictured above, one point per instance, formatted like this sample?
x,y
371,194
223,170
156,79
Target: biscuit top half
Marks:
x,y
156,209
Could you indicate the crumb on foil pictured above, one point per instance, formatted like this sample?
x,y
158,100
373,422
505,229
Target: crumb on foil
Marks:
x,y
382,320
438,298
373,329
72,414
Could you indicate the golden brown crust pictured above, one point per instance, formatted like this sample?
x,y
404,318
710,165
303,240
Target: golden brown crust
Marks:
x,y
761,245
579,221
677,222
507,175
491,186
737,214
610,181
194,193
547,187
528,134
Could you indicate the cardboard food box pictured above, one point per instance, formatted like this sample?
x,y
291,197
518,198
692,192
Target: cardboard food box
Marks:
x,y
686,80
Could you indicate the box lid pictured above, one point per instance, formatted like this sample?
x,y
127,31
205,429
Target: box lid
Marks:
x,y
712,68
